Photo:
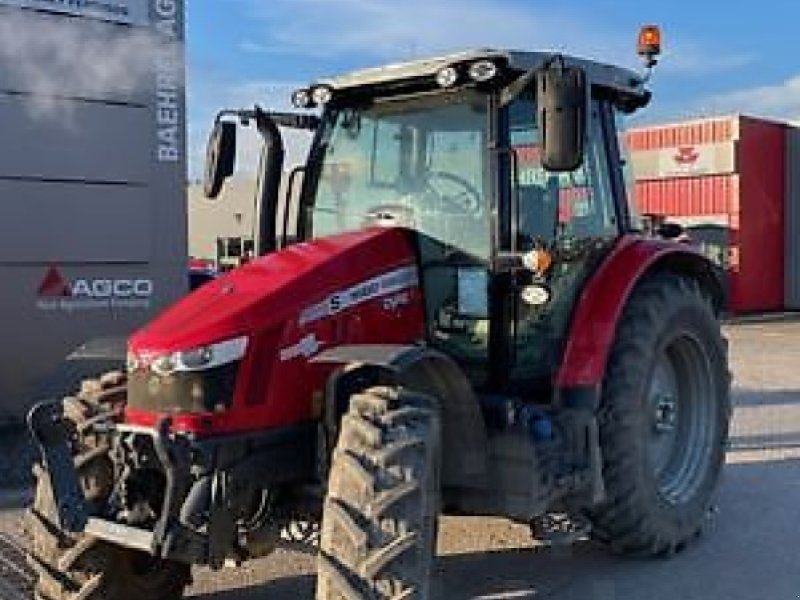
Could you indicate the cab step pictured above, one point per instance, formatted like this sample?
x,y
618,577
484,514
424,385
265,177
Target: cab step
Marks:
x,y
560,529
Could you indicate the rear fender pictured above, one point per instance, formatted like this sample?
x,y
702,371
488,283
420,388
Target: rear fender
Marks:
x,y
595,319
464,462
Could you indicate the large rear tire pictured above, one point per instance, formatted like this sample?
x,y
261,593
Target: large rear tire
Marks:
x,y
664,419
378,536
80,567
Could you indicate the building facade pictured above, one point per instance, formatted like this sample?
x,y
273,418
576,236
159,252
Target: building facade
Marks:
x,y
734,184
92,179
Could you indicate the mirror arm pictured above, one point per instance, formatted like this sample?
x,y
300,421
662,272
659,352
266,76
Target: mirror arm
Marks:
x,y
295,120
287,202
269,177
513,90
281,119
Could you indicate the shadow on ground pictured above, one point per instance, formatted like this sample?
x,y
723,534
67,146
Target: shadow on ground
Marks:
x,y
286,588
758,398
749,552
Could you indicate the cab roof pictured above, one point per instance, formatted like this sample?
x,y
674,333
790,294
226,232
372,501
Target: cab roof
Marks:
x,y
615,78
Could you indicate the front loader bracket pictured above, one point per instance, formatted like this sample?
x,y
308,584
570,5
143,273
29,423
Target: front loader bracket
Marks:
x,y
46,424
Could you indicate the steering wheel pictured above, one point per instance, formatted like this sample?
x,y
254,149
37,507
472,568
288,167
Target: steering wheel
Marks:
x,y
467,200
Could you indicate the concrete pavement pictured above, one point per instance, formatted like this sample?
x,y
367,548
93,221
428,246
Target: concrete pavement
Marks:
x,y
751,552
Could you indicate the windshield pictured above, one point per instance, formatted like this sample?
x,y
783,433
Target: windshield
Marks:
x,y
418,163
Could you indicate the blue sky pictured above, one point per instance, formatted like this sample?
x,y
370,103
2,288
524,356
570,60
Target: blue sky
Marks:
x,y
719,57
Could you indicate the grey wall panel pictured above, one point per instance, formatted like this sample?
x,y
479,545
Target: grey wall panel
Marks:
x,y
62,223
90,142
792,212
56,55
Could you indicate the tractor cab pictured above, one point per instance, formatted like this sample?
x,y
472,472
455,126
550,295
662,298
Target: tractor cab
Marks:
x,y
507,167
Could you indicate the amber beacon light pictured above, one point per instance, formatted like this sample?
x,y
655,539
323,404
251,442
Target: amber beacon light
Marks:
x,y
649,44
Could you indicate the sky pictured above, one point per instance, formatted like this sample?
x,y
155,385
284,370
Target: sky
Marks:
x,y
719,57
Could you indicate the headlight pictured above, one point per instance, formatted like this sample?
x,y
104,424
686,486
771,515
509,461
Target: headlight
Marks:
x,y
202,358
164,365
198,358
132,362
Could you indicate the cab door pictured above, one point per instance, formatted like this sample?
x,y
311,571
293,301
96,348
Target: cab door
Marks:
x,y
573,217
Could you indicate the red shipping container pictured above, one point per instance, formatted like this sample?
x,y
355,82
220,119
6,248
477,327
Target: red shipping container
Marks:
x,y
724,180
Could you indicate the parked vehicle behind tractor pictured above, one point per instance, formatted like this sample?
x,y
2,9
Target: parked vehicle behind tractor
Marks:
x,y
471,323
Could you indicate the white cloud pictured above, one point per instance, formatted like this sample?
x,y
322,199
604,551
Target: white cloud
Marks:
x,y
253,47
388,29
381,30
689,58
779,101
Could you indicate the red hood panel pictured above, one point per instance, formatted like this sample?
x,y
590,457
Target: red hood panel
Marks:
x,y
270,290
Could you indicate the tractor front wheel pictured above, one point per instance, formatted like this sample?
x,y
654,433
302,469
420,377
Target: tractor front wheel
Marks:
x,y
663,420
379,521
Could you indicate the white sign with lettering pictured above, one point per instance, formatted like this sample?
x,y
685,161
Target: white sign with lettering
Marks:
x,y
169,81
687,160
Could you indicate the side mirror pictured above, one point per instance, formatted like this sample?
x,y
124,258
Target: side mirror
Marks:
x,y
670,231
220,157
562,99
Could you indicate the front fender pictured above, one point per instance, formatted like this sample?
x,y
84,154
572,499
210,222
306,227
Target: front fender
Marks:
x,y
464,437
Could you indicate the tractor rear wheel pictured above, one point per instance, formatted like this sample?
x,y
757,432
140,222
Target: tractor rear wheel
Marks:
x,y
378,536
664,419
71,567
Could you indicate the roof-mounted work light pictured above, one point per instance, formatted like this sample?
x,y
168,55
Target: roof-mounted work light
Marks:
x,y
447,77
483,70
321,94
302,99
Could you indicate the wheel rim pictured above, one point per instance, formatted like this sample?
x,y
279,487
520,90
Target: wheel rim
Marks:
x,y
680,421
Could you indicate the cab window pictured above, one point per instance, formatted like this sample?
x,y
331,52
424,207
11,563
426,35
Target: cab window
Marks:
x,y
571,215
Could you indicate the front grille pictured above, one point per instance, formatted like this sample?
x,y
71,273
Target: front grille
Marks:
x,y
185,392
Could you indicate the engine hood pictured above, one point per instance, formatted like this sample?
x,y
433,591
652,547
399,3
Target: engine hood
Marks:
x,y
266,292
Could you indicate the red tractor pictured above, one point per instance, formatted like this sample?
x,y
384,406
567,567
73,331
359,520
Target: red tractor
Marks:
x,y
464,318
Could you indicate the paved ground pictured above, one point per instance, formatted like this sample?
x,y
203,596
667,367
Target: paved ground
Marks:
x,y
752,552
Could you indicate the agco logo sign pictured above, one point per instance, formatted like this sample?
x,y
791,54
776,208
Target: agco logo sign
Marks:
x,y
56,292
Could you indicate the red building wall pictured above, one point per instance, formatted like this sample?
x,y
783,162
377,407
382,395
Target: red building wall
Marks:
x,y
724,179
762,167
